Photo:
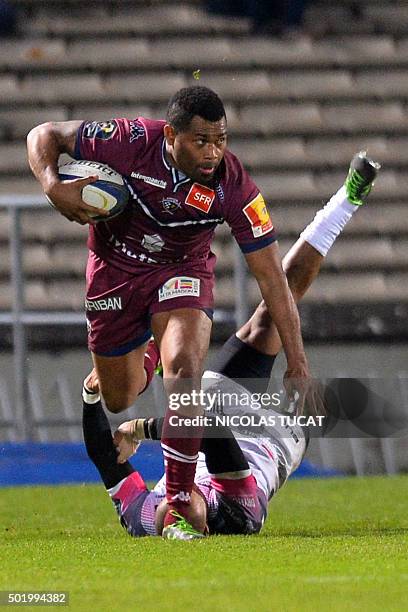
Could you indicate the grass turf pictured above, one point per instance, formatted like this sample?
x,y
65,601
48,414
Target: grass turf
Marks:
x,y
339,544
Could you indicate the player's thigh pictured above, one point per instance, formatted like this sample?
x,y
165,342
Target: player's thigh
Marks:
x,y
121,378
183,337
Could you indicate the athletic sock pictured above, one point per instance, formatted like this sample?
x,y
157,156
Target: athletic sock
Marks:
x,y
237,360
151,361
99,444
180,459
329,222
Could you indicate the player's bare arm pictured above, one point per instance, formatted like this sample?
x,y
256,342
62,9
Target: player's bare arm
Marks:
x,y
45,143
266,266
303,261
301,265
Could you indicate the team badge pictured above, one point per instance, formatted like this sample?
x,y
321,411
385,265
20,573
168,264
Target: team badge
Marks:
x,y
153,243
170,205
257,214
200,197
102,130
179,286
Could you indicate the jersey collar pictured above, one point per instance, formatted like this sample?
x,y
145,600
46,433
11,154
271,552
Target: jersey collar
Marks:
x,y
179,178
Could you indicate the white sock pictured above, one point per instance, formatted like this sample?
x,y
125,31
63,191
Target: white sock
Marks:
x,y
329,222
90,397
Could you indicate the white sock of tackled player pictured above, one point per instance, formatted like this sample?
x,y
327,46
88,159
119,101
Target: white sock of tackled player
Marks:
x,y
329,222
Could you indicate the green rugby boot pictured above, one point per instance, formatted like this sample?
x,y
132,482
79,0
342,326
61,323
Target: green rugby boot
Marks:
x,y
180,529
360,179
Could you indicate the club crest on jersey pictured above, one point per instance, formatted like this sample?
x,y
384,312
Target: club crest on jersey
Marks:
x,y
153,243
200,197
170,205
136,130
102,130
179,286
257,214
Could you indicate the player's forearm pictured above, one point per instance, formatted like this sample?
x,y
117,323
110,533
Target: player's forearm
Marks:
x,y
45,143
302,265
283,311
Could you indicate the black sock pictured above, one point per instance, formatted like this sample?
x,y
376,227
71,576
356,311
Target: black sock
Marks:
x,y
100,447
238,360
222,451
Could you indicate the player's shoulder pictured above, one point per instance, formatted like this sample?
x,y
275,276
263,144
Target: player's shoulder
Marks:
x,y
234,171
143,129
151,127
235,180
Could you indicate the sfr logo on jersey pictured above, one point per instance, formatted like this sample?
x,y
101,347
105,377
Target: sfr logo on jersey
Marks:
x,y
258,216
200,197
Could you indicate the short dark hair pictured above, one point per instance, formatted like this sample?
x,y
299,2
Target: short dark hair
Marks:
x,y
191,101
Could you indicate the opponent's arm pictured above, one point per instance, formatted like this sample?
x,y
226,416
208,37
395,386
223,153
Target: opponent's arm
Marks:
x,y
45,143
303,261
302,265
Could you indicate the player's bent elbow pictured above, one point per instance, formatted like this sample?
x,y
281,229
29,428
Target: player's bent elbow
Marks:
x,y
42,128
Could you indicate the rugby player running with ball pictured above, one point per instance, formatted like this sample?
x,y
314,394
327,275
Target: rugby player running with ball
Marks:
x,y
237,476
155,258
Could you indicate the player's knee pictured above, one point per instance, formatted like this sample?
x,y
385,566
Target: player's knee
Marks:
x,y
183,365
263,319
117,403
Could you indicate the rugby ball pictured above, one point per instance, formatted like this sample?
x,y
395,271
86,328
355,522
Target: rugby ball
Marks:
x,y
109,192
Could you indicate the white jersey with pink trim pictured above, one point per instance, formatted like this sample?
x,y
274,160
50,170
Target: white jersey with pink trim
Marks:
x,y
272,457
237,512
271,461
273,451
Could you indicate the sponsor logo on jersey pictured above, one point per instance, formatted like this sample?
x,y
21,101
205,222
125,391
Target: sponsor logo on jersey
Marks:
x,y
200,197
103,130
153,243
170,205
122,247
112,303
136,130
183,496
149,179
257,214
179,286
220,192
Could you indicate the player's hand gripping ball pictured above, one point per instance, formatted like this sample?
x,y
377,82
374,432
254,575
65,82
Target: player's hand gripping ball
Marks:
x,y
108,193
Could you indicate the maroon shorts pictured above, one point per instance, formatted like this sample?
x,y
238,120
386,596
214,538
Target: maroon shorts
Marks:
x,y
119,305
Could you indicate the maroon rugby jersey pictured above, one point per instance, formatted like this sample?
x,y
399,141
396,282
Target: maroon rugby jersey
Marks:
x,y
170,218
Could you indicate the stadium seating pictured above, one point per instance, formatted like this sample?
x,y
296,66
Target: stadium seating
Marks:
x,y
298,108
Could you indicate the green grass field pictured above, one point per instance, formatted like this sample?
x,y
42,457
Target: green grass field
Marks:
x,y
339,544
